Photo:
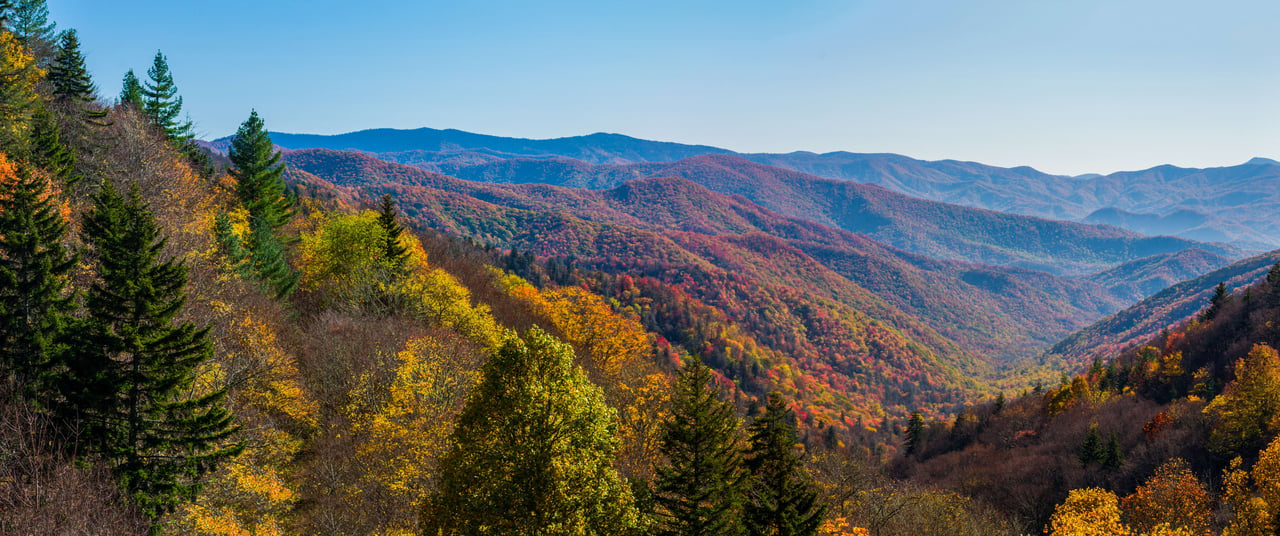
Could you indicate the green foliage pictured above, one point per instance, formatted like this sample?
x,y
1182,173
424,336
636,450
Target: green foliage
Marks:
x,y
31,22
131,91
257,170
392,249
700,490
131,377
160,101
35,299
781,499
68,75
1216,302
915,431
48,150
532,453
1091,450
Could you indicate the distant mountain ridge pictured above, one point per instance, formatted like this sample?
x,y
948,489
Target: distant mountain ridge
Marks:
x,y
1239,204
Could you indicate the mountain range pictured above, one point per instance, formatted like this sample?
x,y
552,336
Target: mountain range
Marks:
x,y
1233,204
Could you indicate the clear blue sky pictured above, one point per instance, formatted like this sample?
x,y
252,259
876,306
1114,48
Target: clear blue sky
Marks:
x,y
1066,86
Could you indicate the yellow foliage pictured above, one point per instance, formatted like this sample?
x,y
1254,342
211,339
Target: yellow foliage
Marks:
x,y
404,423
19,77
1249,407
1173,498
840,526
1088,512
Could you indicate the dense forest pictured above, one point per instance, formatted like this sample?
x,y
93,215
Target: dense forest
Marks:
x,y
215,343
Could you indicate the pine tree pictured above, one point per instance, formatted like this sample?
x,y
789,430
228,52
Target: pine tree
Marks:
x,y
699,492
6,15
781,500
533,452
392,249
160,101
1091,450
131,91
1216,302
31,22
1112,455
68,75
47,149
258,173
915,432
34,269
129,380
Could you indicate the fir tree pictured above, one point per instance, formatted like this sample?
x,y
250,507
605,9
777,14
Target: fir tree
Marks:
x,y
533,452
1091,450
699,492
68,75
392,250
47,149
31,22
131,91
160,101
34,270
130,379
1112,455
781,500
6,15
915,432
258,173
1216,302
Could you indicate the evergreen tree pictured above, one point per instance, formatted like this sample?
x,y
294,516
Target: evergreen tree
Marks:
x,y
258,173
47,149
34,271
533,452
6,15
68,75
1112,455
1091,450
915,432
31,22
999,404
131,91
160,101
129,381
1216,302
392,249
700,491
781,500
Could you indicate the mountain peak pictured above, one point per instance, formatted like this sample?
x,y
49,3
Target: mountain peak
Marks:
x,y
1260,161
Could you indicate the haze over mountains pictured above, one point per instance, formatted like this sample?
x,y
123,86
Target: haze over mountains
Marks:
x,y
1234,204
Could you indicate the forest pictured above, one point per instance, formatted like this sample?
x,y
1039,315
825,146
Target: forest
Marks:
x,y
208,342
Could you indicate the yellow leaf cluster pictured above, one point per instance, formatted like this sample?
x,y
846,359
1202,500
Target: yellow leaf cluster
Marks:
x,y
1088,512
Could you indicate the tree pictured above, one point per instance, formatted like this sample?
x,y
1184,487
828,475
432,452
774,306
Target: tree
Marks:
x,y
258,173
533,451
1247,410
131,379
781,500
160,101
1091,450
1088,512
700,490
34,269
131,91
31,22
68,75
1216,302
1173,496
48,150
392,249
1112,454
915,433
6,15
19,101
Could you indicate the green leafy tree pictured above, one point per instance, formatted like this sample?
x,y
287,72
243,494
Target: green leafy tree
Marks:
x,y
160,101
392,249
131,91
68,74
31,22
533,452
700,491
781,499
34,270
1247,411
131,381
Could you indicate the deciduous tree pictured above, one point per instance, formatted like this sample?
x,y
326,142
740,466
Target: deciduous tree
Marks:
x,y
533,452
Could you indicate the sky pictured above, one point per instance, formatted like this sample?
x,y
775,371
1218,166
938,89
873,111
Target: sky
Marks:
x,y
1065,86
